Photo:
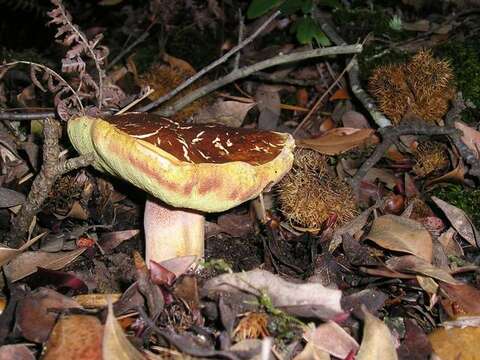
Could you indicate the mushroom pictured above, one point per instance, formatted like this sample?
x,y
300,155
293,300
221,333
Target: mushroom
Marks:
x,y
187,169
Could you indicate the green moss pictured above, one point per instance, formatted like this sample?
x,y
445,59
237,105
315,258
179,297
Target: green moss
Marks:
x,y
465,59
466,199
356,23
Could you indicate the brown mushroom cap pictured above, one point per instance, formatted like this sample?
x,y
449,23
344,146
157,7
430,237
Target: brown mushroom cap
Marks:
x,y
204,167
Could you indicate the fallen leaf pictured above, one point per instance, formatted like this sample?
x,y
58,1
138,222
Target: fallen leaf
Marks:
x,y
28,262
306,300
377,342
459,221
450,246
354,119
34,316
9,198
456,175
90,301
383,175
460,300
415,344
268,102
225,112
7,254
337,141
109,241
75,337
456,343
340,94
401,234
413,264
236,225
462,322
471,137
16,352
352,227
310,352
115,343
421,25
179,265
331,338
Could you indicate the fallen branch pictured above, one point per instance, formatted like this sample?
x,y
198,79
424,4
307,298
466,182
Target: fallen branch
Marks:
x,y
206,69
390,135
248,70
51,169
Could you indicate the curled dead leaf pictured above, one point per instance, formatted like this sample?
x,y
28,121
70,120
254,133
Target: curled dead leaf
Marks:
x,y
338,140
402,234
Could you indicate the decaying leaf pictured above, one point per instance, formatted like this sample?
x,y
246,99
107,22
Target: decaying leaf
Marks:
x,y
351,228
75,337
225,112
268,102
377,342
455,343
7,254
109,241
28,262
338,140
9,198
115,344
16,352
459,221
460,300
402,234
471,137
310,352
331,338
414,264
35,316
306,300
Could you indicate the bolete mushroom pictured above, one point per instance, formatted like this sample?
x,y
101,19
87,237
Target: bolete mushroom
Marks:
x,y
187,170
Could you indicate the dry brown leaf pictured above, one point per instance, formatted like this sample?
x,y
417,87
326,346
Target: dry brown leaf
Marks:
x,y
333,339
459,221
109,241
9,198
179,265
471,137
460,300
401,234
456,343
75,337
413,264
28,262
268,102
7,254
310,352
337,141
456,175
225,112
340,94
115,344
34,316
352,227
354,119
377,342
450,246
96,300
306,300
16,352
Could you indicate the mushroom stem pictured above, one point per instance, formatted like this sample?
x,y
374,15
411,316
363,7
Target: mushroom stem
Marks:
x,y
171,232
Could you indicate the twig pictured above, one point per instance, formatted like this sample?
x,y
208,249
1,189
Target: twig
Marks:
x,y
26,116
129,48
389,136
353,75
273,78
248,70
241,30
206,69
51,169
320,99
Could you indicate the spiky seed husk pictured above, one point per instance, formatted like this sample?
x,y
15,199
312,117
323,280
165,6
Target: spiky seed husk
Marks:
x,y
423,86
431,157
309,193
